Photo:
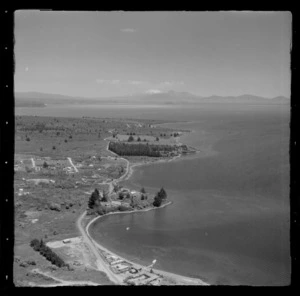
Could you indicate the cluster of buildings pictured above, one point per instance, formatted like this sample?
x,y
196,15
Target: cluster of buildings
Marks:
x,y
132,275
21,192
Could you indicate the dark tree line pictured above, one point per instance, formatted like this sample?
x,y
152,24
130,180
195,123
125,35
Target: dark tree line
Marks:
x,y
160,197
45,251
139,149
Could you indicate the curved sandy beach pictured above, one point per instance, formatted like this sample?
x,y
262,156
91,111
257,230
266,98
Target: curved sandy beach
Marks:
x,y
172,277
175,279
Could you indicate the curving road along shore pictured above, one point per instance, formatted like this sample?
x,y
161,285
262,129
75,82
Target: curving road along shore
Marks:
x,y
175,278
99,261
93,245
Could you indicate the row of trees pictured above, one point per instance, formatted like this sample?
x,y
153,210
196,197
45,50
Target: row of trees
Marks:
x,y
160,197
131,139
40,246
139,149
133,149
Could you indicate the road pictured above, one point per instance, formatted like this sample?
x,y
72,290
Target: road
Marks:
x,y
101,265
72,164
33,163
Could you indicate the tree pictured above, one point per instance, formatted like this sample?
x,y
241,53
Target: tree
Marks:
x,y
157,138
139,139
105,196
130,139
35,244
116,187
144,196
157,200
93,199
143,190
162,193
45,165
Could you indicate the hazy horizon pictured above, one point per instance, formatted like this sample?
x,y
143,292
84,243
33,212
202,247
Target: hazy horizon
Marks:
x,y
145,93
108,54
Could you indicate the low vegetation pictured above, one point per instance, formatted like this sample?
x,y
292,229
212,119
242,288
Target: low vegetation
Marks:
x,y
50,195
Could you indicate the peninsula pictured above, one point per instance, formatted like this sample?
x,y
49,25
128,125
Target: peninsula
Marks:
x,y
68,173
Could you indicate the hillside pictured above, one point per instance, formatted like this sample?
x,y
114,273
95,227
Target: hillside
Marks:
x,y
170,97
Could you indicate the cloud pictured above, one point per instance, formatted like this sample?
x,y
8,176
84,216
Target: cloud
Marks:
x,y
171,83
117,81
136,82
167,83
128,30
107,81
153,91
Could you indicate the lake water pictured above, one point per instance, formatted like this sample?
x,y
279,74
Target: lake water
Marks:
x,y
229,221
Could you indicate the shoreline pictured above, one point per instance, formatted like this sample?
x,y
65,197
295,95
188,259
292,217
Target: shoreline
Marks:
x,y
179,279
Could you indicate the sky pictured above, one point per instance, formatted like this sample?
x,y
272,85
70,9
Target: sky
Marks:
x,y
103,54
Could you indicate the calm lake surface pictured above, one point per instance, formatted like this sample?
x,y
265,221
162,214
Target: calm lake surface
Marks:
x,y
229,221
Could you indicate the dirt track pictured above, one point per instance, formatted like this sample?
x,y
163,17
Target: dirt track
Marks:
x,y
99,262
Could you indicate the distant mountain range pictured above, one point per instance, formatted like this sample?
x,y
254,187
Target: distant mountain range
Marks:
x,y
36,99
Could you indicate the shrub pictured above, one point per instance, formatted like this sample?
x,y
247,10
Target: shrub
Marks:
x,y
101,210
130,139
123,195
123,208
104,196
55,207
27,169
